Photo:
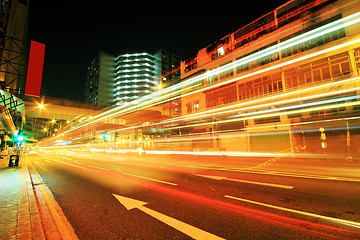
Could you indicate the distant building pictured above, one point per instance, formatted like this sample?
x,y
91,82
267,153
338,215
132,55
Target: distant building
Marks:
x,y
116,80
168,67
99,82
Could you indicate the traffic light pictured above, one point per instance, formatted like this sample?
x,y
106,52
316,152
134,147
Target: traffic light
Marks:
x,y
106,136
20,138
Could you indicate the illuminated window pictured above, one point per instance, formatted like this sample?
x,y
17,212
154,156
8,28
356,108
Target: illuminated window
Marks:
x,y
310,44
261,86
221,95
227,73
321,70
189,107
211,77
221,51
196,106
357,58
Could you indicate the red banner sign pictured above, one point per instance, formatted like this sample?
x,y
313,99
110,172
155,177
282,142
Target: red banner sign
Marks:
x,y
35,69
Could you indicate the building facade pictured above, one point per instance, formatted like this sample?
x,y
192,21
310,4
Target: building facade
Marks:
x,y
287,83
168,68
99,82
136,75
281,64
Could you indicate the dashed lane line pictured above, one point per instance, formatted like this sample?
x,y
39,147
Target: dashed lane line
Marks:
x,y
151,179
246,181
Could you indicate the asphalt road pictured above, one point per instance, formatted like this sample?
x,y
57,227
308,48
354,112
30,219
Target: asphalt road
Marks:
x,y
202,197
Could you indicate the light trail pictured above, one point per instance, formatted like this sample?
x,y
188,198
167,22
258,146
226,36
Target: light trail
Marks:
x,y
337,220
254,103
242,106
127,183
266,114
162,96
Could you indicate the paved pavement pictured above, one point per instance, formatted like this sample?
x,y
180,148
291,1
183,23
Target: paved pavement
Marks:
x,y
27,207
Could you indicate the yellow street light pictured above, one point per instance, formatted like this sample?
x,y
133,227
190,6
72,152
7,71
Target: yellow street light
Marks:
x,y
41,106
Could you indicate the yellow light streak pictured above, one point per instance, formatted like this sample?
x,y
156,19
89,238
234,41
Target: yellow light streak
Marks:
x,y
147,100
259,115
164,96
337,220
254,103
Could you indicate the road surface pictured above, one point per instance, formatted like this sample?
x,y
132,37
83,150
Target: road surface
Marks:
x,y
113,196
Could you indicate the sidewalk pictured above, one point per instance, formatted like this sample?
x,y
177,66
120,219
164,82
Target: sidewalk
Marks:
x,y
28,210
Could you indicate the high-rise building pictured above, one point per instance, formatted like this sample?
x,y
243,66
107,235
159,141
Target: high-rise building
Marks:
x,y
136,75
127,77
168,68
99,82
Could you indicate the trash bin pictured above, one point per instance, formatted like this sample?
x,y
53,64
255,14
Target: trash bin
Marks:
x,y
14,161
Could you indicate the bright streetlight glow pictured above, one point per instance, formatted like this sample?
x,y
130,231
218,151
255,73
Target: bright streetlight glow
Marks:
x,y
20,138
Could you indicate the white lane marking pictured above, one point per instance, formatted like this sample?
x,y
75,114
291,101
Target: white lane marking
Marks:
x,y
185,228
101,168
342,221
303,175
246,181
151,179
276,173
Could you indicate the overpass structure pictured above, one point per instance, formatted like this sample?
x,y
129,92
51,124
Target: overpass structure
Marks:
x,y
44,116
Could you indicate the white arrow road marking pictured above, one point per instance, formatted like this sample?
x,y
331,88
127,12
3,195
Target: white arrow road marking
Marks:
x,y
185,228
246,181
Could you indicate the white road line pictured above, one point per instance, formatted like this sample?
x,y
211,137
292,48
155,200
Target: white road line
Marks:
x,y
342,221
276,173
151,179
101,168
246,181
302,175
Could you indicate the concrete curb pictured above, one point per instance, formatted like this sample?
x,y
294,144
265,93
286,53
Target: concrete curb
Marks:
x,y
35,219
47,212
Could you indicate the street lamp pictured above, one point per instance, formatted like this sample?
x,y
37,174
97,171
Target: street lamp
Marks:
x,y
41,106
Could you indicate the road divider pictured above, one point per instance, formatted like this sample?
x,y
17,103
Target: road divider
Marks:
x,y
185,228
337,220
245,181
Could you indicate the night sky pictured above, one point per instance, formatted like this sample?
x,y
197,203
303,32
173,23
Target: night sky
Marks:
x,y
74,31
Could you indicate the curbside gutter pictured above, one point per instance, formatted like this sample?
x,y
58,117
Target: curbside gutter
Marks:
x,y
47,218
